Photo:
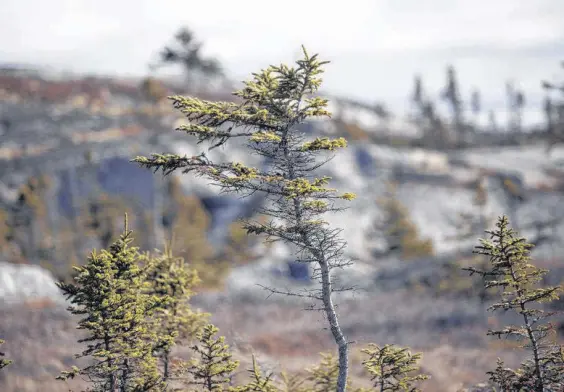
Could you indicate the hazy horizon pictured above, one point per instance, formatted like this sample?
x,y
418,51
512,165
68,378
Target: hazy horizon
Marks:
x,y
376,47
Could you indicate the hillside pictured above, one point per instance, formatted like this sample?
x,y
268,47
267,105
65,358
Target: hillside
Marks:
x,y
81,134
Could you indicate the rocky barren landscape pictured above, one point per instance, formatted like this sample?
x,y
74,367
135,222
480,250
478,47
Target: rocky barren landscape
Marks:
x,y
50,127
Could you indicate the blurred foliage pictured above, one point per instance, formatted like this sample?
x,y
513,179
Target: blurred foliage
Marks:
x,y
153,89
353,131
99,216
400,234
454,280
186,51
25,231
186,222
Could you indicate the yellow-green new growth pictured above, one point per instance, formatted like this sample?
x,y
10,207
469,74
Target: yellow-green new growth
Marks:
x,y
392,367
324,144
303,187
264,136
3,362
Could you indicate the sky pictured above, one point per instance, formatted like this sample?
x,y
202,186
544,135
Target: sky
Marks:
x,y
375,46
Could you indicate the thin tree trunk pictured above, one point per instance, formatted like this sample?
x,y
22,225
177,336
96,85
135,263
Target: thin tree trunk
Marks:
x,y
326,286
166,361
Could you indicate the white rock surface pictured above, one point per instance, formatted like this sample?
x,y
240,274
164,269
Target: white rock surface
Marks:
x,y
22,282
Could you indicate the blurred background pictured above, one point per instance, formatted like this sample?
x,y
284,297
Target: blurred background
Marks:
x,y
454,114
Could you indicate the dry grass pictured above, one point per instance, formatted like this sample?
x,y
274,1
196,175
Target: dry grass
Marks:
x,y
41,338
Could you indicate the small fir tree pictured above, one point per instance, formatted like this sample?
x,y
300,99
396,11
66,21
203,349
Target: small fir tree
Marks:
x,y
110,293
176,323
271,107
3,362
214,368
518,282
392,367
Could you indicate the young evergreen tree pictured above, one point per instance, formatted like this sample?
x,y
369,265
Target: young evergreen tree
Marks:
x,y
110,293
518,282
399,233
3,362
258,382
176,323
273,103
392,367
214,368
